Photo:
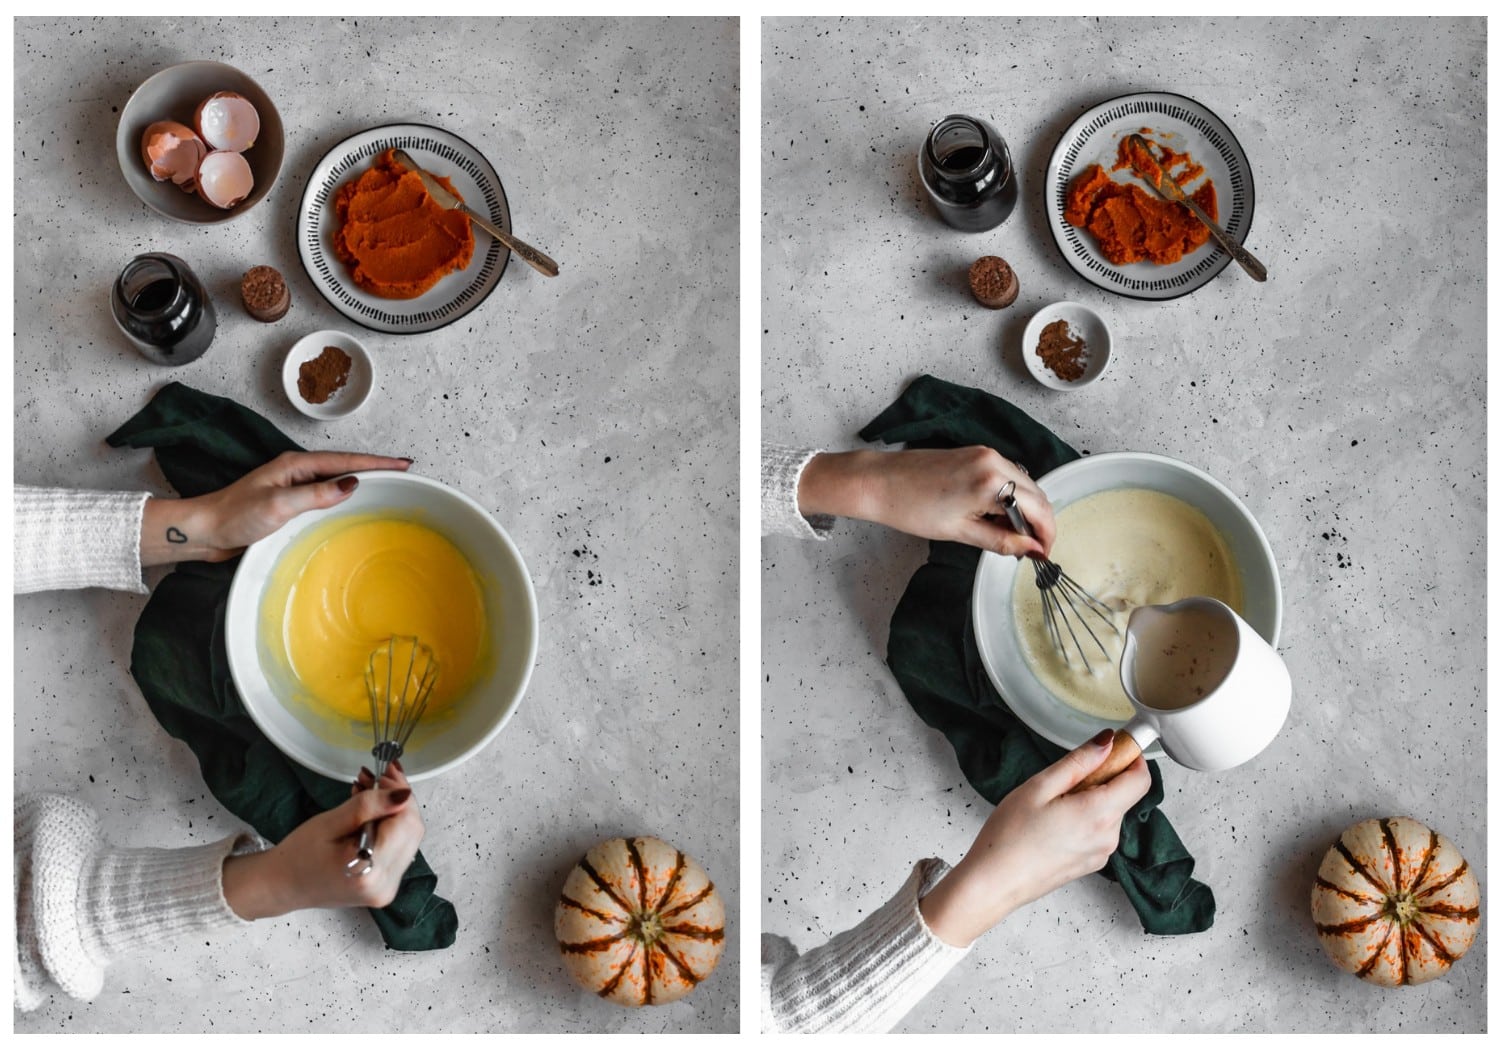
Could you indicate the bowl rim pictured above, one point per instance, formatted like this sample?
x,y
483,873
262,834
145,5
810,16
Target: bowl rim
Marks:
x,y
1042,375
989,562
122,147
240,586
289,384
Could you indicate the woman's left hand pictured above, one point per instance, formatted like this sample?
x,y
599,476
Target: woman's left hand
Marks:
x,y
221,524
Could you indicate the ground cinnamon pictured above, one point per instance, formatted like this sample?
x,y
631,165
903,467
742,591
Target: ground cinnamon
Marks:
x,y
1066,354
323,376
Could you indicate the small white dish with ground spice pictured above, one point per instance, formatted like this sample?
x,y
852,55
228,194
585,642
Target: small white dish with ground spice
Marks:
x,y
1065,346
328,375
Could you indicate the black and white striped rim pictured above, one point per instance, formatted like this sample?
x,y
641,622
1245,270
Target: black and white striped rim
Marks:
x,y
456,294
1093,138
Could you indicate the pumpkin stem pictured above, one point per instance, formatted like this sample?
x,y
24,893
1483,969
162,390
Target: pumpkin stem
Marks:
x,y
645,927
1402,907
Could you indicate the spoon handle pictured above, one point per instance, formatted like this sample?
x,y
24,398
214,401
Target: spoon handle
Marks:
x,y
541,261
1236,251
1145,164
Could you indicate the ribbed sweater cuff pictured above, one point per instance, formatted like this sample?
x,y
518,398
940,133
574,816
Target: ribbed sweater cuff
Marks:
x,y
67,539
780,473
867,978
134,898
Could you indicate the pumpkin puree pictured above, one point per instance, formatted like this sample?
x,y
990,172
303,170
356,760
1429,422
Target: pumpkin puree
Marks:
x,y
395,239
347,586
1132,225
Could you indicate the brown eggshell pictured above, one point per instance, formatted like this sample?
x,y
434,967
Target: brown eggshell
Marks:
x,y
158,153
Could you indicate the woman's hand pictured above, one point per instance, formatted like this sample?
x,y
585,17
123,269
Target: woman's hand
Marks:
x,y
307,868
1038,838
221,524
938,494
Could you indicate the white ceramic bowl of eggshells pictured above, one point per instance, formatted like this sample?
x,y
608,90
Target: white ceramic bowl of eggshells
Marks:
x,y
272,695
995,632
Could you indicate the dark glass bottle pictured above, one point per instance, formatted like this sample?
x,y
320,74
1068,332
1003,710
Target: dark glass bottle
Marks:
x,y
966,170
161,306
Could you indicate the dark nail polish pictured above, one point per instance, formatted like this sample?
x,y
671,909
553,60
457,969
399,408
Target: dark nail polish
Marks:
x,y
365,774
1103,737
348,484
401,796
396,764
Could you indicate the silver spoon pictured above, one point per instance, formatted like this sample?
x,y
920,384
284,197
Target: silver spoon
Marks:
x,y
1167,186
539,260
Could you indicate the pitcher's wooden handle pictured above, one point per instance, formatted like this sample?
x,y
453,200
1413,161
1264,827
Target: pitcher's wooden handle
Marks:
x,y
1124,752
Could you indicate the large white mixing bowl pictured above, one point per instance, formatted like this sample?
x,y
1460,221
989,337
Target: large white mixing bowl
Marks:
x,y
268,690
994,626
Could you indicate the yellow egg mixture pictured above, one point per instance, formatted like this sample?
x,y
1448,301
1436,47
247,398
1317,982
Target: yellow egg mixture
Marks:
x,y
348,585
1128,548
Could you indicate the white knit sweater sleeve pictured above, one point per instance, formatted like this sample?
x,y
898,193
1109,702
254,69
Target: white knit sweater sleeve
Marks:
x,y
81,903
66,539
865,979
780,471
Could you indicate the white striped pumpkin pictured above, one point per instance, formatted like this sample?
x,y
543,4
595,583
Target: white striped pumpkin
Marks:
x,y
639,922
1394,902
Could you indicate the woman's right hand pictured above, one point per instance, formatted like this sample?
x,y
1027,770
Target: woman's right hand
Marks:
x,y
307,868
938,494
1038,838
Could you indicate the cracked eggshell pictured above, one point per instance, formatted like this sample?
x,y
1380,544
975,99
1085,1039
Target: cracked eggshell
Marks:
x,y
227,121
172,151
224,178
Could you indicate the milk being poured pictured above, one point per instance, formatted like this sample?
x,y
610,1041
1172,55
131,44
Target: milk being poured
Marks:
x,y
1129,548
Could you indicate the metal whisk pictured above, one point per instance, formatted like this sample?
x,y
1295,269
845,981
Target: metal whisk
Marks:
x,y
1064,602
399,679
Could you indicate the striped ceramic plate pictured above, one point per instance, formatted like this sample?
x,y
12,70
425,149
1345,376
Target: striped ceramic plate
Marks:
x,y
1186,126
442,153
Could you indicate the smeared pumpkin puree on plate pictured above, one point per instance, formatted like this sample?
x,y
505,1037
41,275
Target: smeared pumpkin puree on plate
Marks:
x,y
395,239
349,584
1134,225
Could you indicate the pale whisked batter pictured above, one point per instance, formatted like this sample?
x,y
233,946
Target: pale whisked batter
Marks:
x,y
1128,548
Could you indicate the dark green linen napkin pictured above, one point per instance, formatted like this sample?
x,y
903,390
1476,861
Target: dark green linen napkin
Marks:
x,y
203,443
934,657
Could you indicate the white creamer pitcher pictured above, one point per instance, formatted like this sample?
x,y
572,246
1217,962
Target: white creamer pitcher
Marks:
x,y
1202,681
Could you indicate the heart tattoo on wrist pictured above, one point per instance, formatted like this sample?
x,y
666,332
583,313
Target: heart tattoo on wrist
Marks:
x,y
175,535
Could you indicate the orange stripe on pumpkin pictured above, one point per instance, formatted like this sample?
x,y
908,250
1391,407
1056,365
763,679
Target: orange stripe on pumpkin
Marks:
x,y
1444,955
604,887
1342,892
672,880
1352,926
1432,845
590,947
640,869
1449,911
1457,874
591,912
1360,868
696,933
1390,845
697,899
1369,964
682,967
614,981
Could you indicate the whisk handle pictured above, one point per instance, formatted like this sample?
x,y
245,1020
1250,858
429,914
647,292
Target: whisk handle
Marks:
x,y
1006,497
1124,752
364,850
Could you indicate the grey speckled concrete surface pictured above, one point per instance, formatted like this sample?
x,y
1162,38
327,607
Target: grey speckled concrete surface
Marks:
x,y
1343,401
595,415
